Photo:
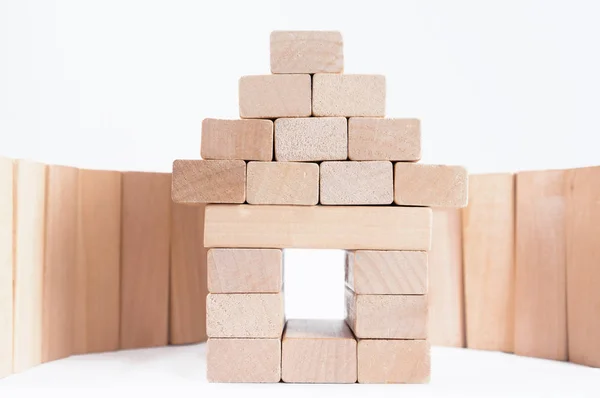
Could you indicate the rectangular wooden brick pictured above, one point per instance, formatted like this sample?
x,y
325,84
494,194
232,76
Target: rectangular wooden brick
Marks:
x,y
243,360
187,303
540,265
357,183
6,266
386,272
245,270
318,351
282,183
583,272
488,261
98,277
237,139
273,96
209,181
244,315
430,185
387,316
311,139
384,139
446,301
145,258
60,264
348,95
394,361
318,227
306,52
30,205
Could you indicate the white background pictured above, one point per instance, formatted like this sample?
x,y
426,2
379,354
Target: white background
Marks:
x,y
498,85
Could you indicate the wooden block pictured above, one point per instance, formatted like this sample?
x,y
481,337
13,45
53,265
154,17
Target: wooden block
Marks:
x,y
209,181
60,263
6,267
446,303
384,139
237,139
282,183
245,270
273,96
394,361
357,183
386,272
146,214
306,52
489,269
387,316
318,227
583,272
243,360
348,95
540,266
311,139
244,315
28,263
187,304
98,275
318,351
430,185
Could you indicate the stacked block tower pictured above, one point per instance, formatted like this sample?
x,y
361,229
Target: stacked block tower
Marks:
x,y
314,163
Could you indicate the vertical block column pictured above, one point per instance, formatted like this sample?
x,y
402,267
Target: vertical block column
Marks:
x,y
6,267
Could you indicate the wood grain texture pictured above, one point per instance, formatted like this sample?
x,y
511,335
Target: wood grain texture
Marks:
x,y
430,185
489,269
237,139
209,181
187,304
318,351
97,305
244,315
243,360
282,183
307,52
29,264
318,227
446,294
384,139
540,265
6,266
394,361
387,316
311,139
60,263
273,96
348,95
386,272
245,270
146,214
357,183
583,272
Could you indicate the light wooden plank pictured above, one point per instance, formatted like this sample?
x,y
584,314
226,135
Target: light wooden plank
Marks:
x,y
583,272
29,264
97,304
318,227
357,183
348,95
6,266
318,351
306,52
540,265
273,96
145,258
282,183
384,139
489,269
394,361
237,139
446,291
60,263
187,315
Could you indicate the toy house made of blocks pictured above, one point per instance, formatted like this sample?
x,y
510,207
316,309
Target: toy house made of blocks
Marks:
x,y
313,163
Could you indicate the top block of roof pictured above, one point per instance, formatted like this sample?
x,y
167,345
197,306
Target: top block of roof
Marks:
x,y
307,52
